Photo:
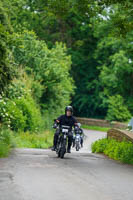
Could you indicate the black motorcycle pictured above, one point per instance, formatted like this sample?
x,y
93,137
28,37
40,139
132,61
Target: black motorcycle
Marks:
x,y
62,141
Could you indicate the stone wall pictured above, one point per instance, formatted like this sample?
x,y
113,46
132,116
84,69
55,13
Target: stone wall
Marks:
x,y
102,123
120,135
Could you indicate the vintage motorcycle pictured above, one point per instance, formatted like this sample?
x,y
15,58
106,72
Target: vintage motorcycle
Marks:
x,y
77,139
62,139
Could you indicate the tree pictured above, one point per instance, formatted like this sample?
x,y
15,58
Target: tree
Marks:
x,y
117,110
6,59
115,63
49,68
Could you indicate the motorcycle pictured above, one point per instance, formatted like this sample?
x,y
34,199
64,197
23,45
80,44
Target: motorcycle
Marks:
x,y
62,141
77,142
77,138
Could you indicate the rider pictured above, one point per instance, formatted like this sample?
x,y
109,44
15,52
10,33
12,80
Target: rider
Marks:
x,y
66,120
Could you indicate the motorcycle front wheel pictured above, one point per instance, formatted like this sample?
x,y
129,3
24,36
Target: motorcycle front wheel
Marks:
x,y
77,146
63,149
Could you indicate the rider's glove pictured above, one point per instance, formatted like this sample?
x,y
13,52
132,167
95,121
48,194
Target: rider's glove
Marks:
x,y
55,125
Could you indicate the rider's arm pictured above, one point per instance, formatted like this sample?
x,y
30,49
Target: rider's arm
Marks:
x,y
56,122
82,133
59,119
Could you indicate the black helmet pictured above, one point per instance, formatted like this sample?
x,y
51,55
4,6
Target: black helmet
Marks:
x,y
69,108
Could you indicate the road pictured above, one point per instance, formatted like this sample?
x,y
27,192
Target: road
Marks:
x,y
33,174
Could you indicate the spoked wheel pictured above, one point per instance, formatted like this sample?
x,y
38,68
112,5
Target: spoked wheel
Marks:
x,y
58,148
63,149
77,146
62,154
58,151
59,154
77,149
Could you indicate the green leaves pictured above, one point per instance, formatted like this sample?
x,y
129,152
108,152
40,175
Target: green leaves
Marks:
x,y
122,151
48,67
20,114
97,55
117,110
7,69
114,55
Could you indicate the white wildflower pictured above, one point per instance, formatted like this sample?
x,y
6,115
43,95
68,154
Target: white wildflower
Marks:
x,y
130,61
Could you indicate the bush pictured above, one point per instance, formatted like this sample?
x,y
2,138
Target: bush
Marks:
x,y
50,69
11,115
117,111
31,113
122,151
99,146
20,113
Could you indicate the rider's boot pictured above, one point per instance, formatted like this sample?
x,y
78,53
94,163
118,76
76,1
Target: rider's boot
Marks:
x,y
73,144
69,150
55,142
53,148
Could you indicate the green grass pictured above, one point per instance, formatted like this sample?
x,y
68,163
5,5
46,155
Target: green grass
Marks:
x,y
28,140
121,151
9,140
97,128
4,150
6,142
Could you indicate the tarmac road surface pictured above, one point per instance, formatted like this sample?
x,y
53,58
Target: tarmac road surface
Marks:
x,y
33,174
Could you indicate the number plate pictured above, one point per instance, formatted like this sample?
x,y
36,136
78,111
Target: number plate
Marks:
x,y
65,130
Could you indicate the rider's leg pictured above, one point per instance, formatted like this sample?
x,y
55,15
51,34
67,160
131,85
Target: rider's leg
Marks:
x,y
81,141
56,136
73,141
70,140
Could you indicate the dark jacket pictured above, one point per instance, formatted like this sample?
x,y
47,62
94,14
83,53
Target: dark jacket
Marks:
x,y
67,121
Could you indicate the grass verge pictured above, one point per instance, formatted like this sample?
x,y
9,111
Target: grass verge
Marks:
x,y
9,140
97,128
6,142
28,140
121,151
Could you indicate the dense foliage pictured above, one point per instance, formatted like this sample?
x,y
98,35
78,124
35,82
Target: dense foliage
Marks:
x,y
98,36
7,67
